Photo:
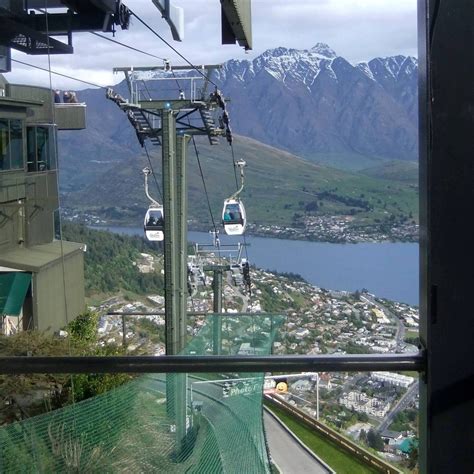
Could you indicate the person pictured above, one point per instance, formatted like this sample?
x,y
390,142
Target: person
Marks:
x,y
227,216
72,98
66,97
57,97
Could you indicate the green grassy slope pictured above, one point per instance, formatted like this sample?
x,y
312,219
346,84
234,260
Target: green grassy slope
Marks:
x,y
329,452
278,186
403,171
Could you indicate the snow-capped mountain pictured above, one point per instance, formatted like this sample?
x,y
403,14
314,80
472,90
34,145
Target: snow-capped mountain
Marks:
x,y
314,101
310,102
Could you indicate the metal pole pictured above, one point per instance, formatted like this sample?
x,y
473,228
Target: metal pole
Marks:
x,y
124,337
181,249
206,364
170,230
182,232
317,397
174,403
217,308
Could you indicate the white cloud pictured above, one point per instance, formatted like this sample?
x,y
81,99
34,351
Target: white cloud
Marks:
x,y
356,29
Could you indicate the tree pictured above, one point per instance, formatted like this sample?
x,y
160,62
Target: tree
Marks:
x,y
84,327
375,441
413,454
311,206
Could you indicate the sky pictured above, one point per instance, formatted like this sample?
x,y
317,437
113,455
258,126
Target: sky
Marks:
x,y
357,30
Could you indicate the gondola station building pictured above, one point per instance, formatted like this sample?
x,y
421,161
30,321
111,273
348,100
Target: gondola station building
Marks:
x,y
41,277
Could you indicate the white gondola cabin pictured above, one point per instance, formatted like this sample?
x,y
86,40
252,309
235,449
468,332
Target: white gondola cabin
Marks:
x,y
234,219
154,224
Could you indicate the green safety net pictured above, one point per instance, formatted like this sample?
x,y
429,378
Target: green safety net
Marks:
x,y
170,423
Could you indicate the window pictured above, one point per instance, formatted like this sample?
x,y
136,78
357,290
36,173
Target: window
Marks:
x,y
11,145
41,149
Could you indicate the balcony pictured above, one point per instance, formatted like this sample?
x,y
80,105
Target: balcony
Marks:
x,y
70,116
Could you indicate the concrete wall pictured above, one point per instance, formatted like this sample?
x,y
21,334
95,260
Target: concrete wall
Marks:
x,y
49,308
43,114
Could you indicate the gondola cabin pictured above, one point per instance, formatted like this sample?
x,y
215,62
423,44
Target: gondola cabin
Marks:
x,y
234,219
154,224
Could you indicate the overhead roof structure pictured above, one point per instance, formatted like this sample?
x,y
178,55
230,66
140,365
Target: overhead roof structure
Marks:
x,y
236,24
29,29
38,257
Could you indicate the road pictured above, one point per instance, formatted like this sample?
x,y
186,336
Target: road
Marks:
x,y
287,453
238,293
400,335
403,403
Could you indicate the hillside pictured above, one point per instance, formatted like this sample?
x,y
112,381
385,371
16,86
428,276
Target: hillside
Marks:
x,y
403,171
281,189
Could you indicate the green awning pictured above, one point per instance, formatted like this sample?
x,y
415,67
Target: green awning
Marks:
x,y
13,288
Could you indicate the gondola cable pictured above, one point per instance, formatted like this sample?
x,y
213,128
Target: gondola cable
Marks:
x,y
126,45
170,46
235,166
63,265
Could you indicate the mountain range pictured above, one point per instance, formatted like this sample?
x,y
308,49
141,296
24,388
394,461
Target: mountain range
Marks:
x,y
317,104
312,103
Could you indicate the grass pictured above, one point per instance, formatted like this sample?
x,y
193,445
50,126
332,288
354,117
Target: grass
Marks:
x,y
412,334
329,452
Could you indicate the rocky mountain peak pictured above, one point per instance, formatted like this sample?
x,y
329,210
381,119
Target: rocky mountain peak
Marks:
x,y
323,49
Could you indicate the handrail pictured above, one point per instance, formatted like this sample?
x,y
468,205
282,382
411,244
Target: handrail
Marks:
x,y
206,364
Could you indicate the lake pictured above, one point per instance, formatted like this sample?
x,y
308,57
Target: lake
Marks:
x,y
389,270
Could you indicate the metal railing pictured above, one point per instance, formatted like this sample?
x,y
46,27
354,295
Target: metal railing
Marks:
x,y
206,364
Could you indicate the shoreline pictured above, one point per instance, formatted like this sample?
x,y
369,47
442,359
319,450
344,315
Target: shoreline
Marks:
x,y
267,235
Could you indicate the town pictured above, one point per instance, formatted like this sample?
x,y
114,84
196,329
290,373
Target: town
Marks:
x,y
325,228
316,321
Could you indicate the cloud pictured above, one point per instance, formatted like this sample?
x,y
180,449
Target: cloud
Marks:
x,y
356,29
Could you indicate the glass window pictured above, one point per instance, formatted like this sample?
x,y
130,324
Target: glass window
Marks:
x,y
4,146
31,148
52,149
57,224
16,144
11,145
42,148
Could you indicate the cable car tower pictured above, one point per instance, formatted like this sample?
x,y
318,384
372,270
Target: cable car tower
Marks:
x,y
168,105
167,109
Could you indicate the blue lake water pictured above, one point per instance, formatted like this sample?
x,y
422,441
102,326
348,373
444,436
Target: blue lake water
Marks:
x,y
389,270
